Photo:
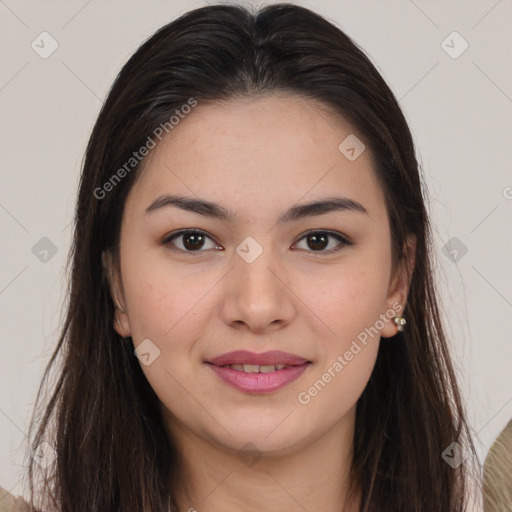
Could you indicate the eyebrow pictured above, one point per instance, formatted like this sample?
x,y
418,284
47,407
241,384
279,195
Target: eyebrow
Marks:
x,y
214,210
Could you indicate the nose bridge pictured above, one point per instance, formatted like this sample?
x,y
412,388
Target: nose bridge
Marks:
x,y
257,295
255,261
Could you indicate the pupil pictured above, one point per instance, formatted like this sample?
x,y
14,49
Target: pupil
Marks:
x,y
316,241
193,241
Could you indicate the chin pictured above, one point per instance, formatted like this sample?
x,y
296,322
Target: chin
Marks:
x,y
264,441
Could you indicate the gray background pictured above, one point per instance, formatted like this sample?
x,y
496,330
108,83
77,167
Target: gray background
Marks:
x,y
459,110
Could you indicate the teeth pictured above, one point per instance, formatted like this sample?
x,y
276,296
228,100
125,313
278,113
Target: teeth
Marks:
x,y
255,368
251,368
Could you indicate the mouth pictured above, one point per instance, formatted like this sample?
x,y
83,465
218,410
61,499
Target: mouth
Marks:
x,y
258,373
251,359
254,368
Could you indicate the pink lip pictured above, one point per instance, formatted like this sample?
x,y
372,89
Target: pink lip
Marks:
x,y
259,382
265,358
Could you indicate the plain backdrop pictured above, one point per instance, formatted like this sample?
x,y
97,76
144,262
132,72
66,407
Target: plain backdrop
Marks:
x,y
457,100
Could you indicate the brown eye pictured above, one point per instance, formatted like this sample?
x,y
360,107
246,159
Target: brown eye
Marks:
x,y
193,241
318,241
190,241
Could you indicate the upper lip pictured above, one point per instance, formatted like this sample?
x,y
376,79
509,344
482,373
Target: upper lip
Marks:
x,y
272,357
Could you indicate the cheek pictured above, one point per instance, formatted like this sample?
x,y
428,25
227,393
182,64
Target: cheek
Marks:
x,y
349,300
152,303
350,304
162,301
166,308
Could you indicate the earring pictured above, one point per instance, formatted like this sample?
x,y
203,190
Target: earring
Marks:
x,y
400,322
120,326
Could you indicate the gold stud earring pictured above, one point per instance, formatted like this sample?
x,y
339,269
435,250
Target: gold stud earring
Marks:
x,y
400,322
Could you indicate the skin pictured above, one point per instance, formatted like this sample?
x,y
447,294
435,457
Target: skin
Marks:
x,y
257,158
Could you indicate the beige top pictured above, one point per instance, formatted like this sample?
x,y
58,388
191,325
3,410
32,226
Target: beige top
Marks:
x,y
8,503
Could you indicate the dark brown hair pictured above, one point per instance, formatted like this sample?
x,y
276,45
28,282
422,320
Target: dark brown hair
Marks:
x,y
113,453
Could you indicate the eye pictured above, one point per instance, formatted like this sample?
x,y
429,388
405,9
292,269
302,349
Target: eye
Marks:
x,y
318,241
190,240
194,240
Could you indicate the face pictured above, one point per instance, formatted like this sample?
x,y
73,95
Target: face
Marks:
x,y
257,273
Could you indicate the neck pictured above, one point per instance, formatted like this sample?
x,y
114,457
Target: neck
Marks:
x,y
310,477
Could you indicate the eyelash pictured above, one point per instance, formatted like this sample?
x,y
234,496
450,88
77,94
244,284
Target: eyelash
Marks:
x,y
343,241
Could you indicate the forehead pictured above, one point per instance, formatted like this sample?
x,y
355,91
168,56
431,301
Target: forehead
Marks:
x,y
266,150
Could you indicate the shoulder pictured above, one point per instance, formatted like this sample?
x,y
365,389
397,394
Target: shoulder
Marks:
x,y
9,503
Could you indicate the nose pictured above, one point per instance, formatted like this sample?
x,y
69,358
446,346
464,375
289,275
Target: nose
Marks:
x,y
257,297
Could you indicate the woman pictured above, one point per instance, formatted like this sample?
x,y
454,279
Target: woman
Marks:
x,y
252,319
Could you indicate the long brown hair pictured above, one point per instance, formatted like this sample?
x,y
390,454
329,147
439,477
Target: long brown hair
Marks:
x,y
103,418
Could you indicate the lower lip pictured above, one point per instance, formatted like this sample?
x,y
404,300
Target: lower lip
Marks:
x,y
259,382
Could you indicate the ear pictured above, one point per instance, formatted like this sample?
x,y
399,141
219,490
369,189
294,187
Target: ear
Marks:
x,y
121,322
399,287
